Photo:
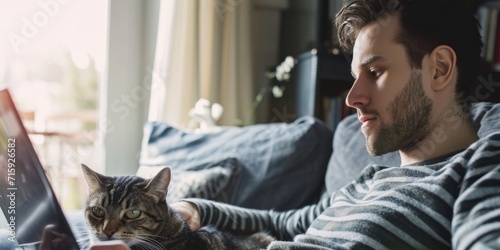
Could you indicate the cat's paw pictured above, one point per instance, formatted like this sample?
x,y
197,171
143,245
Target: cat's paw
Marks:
x,y
263,239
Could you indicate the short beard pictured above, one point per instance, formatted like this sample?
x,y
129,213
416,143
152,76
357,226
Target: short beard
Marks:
x,y
411,111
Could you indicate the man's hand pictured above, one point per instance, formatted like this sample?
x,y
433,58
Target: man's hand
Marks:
x,y
53,239
189,212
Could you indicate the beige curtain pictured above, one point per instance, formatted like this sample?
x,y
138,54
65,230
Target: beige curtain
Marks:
x,y
203,51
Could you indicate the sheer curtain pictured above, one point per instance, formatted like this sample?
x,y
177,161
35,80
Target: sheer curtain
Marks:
x,y
203,51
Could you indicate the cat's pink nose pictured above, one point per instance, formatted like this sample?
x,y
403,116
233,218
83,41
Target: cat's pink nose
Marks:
x,y
109,232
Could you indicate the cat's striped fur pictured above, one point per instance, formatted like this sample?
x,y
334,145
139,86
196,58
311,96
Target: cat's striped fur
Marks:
x,y
134,210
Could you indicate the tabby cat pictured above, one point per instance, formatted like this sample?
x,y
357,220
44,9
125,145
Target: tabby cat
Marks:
x,y
134,210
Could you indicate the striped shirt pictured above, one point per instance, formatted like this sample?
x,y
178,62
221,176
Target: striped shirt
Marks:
x,y
453,203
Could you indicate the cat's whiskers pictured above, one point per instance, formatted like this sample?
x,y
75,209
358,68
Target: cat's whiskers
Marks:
x,y
83,235
86,245
152,236
85,242
146,242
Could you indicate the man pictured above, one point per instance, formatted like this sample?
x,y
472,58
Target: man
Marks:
x,y
412,61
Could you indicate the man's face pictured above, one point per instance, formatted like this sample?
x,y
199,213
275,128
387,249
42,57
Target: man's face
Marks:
x,y
388,94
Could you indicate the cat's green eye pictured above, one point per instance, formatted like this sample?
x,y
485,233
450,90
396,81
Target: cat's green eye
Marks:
x,y
98,212
133,214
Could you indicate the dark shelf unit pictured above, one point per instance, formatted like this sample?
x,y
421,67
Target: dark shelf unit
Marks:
x,y
316,76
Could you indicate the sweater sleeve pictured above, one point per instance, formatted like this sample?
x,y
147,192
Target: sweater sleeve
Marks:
x,y
476,219
283,225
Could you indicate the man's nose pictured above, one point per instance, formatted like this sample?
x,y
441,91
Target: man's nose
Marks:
x,y
358,95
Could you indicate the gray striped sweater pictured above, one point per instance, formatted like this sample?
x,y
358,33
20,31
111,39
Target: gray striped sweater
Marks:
x,y
451,203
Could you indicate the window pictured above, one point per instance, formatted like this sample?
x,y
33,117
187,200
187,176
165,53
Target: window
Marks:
x,y
53,53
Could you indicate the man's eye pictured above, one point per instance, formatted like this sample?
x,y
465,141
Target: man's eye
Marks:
x,y
375,73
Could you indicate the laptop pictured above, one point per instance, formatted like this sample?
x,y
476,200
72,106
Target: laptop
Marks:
x,y
33,215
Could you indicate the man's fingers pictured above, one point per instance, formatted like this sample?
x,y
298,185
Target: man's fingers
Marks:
x,y
189,212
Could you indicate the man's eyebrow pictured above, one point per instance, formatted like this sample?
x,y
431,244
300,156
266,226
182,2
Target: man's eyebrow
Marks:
x,y
369,61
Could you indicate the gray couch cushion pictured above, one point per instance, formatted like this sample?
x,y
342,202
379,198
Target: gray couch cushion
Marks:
x,y
283,165
350,156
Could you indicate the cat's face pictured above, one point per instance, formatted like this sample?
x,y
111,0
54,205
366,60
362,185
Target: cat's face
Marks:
x,y
127,208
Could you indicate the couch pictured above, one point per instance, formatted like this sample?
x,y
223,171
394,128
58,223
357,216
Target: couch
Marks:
x,y
279,166
269,166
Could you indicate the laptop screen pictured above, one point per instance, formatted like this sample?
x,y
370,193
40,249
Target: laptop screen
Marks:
x,y
34,217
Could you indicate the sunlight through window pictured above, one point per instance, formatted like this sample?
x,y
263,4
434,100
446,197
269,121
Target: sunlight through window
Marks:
x,y
53,53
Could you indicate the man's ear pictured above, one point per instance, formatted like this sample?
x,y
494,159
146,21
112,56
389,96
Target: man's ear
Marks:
x,y
443,62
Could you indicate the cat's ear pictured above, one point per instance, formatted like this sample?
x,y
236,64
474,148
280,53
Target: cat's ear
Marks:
x,y
159,184
94,180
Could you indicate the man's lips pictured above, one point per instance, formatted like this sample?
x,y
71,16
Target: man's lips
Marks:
x,y
364,119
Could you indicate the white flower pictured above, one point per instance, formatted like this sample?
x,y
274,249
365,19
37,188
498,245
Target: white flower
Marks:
x,y
283,70
278,91
289,61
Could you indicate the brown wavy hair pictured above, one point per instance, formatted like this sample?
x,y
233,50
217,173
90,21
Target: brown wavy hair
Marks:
x,y
424,25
